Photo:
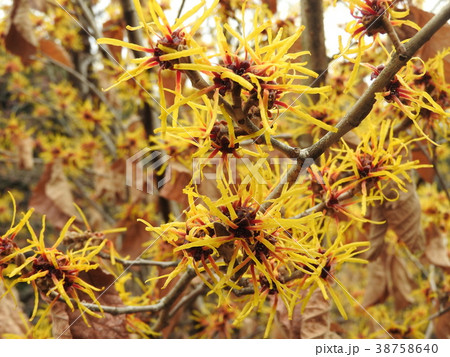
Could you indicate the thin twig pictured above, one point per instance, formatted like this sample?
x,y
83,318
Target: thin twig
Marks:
x,y
180,9
364,105
322,205
188,299
399,47
439,313
171,297
146,262
164,304
239,117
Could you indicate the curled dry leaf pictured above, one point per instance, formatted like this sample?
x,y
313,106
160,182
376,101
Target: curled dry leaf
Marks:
x,y
110,179
67,323
438,42
436,251
388,276
442,324
53,196
314,322
180,176
20,38
402,216
55,52
114,28
134,238
10,316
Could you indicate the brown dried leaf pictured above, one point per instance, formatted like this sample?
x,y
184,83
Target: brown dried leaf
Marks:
x,y
402,216
377,282
55,52
20,39
114,28
109,326
180,176
435,44
442,325
285,327
40,5
436,251
316,318
314,322
110,179
426,173
351,139
134,237
60,321
401,283
388,276
52,196
10,316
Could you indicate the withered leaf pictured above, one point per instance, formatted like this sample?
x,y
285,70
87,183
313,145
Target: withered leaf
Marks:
x,y
426,173
314,322
388,276
442,324
20,38
134,238
180,176
377,283
435,44
52,196
107,327
55,52
60,321
114,28
436,251
10,316
402,216
110,179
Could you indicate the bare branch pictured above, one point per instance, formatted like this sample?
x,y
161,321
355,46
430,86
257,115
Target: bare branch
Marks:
x,y
399,47
364,105
171,297
146,262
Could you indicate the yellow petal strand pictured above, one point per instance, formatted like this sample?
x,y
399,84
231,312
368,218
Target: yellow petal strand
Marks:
x,y
234,77
179,54
140,13
114,42
202,18
188,14
157,13
62,235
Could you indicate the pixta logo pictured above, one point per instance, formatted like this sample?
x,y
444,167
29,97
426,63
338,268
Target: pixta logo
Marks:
x,y
141,170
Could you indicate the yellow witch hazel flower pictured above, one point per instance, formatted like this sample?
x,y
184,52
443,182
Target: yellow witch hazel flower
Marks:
x,y
174,42
380,157
410,101
53,273
256,76
233,245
